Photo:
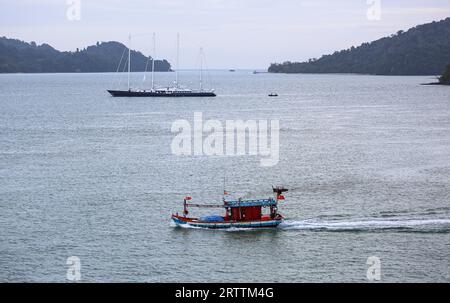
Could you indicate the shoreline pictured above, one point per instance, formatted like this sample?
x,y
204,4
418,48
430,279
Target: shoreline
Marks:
x,y
436,83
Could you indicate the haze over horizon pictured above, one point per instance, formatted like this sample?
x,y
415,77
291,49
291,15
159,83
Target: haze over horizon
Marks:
x,y
234,34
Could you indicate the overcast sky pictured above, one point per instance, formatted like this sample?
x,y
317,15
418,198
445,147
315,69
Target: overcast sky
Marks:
x,y
234,33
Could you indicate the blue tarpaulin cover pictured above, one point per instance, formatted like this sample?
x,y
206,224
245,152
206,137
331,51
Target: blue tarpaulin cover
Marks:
x,y
212,219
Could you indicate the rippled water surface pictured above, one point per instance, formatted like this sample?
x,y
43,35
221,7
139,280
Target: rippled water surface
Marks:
x,y
367,161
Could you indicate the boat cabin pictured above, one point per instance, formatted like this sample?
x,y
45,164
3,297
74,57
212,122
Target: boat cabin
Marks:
x,y
248,210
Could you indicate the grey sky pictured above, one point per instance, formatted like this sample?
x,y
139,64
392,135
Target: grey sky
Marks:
x,y
233,33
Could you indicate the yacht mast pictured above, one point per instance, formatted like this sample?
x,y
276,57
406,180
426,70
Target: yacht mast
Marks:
x,y
153,61
129,60
201,68
178,60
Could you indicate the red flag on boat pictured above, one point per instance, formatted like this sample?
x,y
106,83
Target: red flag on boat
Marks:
x,y
188,198
281,197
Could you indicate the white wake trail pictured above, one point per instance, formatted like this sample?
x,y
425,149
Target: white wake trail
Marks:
x,y
435,225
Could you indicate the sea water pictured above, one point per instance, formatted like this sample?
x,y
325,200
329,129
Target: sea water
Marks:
x,y
85,175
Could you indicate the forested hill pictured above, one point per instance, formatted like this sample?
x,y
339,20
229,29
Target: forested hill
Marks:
x,y
445,78
21,57
422,50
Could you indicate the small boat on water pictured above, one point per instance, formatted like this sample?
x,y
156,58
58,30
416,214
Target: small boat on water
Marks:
x,y
238,213
273,95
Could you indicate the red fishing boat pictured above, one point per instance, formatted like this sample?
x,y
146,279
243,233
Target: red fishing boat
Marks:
x,y
238,213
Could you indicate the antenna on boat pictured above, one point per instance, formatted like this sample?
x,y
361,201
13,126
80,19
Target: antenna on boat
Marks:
x,y
225,193
129,61
153,61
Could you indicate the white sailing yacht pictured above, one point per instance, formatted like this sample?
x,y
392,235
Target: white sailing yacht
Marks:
x,y
175,91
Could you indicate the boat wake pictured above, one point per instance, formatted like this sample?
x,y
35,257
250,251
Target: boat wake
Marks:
x,y
400,224
184,226
373,224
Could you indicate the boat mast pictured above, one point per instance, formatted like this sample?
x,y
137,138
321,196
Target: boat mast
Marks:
x,y
129,61
153,61
225,193
201,68
178,60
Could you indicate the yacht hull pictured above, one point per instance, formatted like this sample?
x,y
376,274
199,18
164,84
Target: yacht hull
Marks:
x,y
126,93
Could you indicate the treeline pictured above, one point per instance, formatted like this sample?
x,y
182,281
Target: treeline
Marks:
x,y
422,50
21,57
445,78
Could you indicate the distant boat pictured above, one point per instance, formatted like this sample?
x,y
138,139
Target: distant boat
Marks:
x,y
232,70
175,91
273,95
167,92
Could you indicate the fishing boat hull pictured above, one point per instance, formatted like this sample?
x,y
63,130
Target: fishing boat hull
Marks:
x,y
127,93
264,223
